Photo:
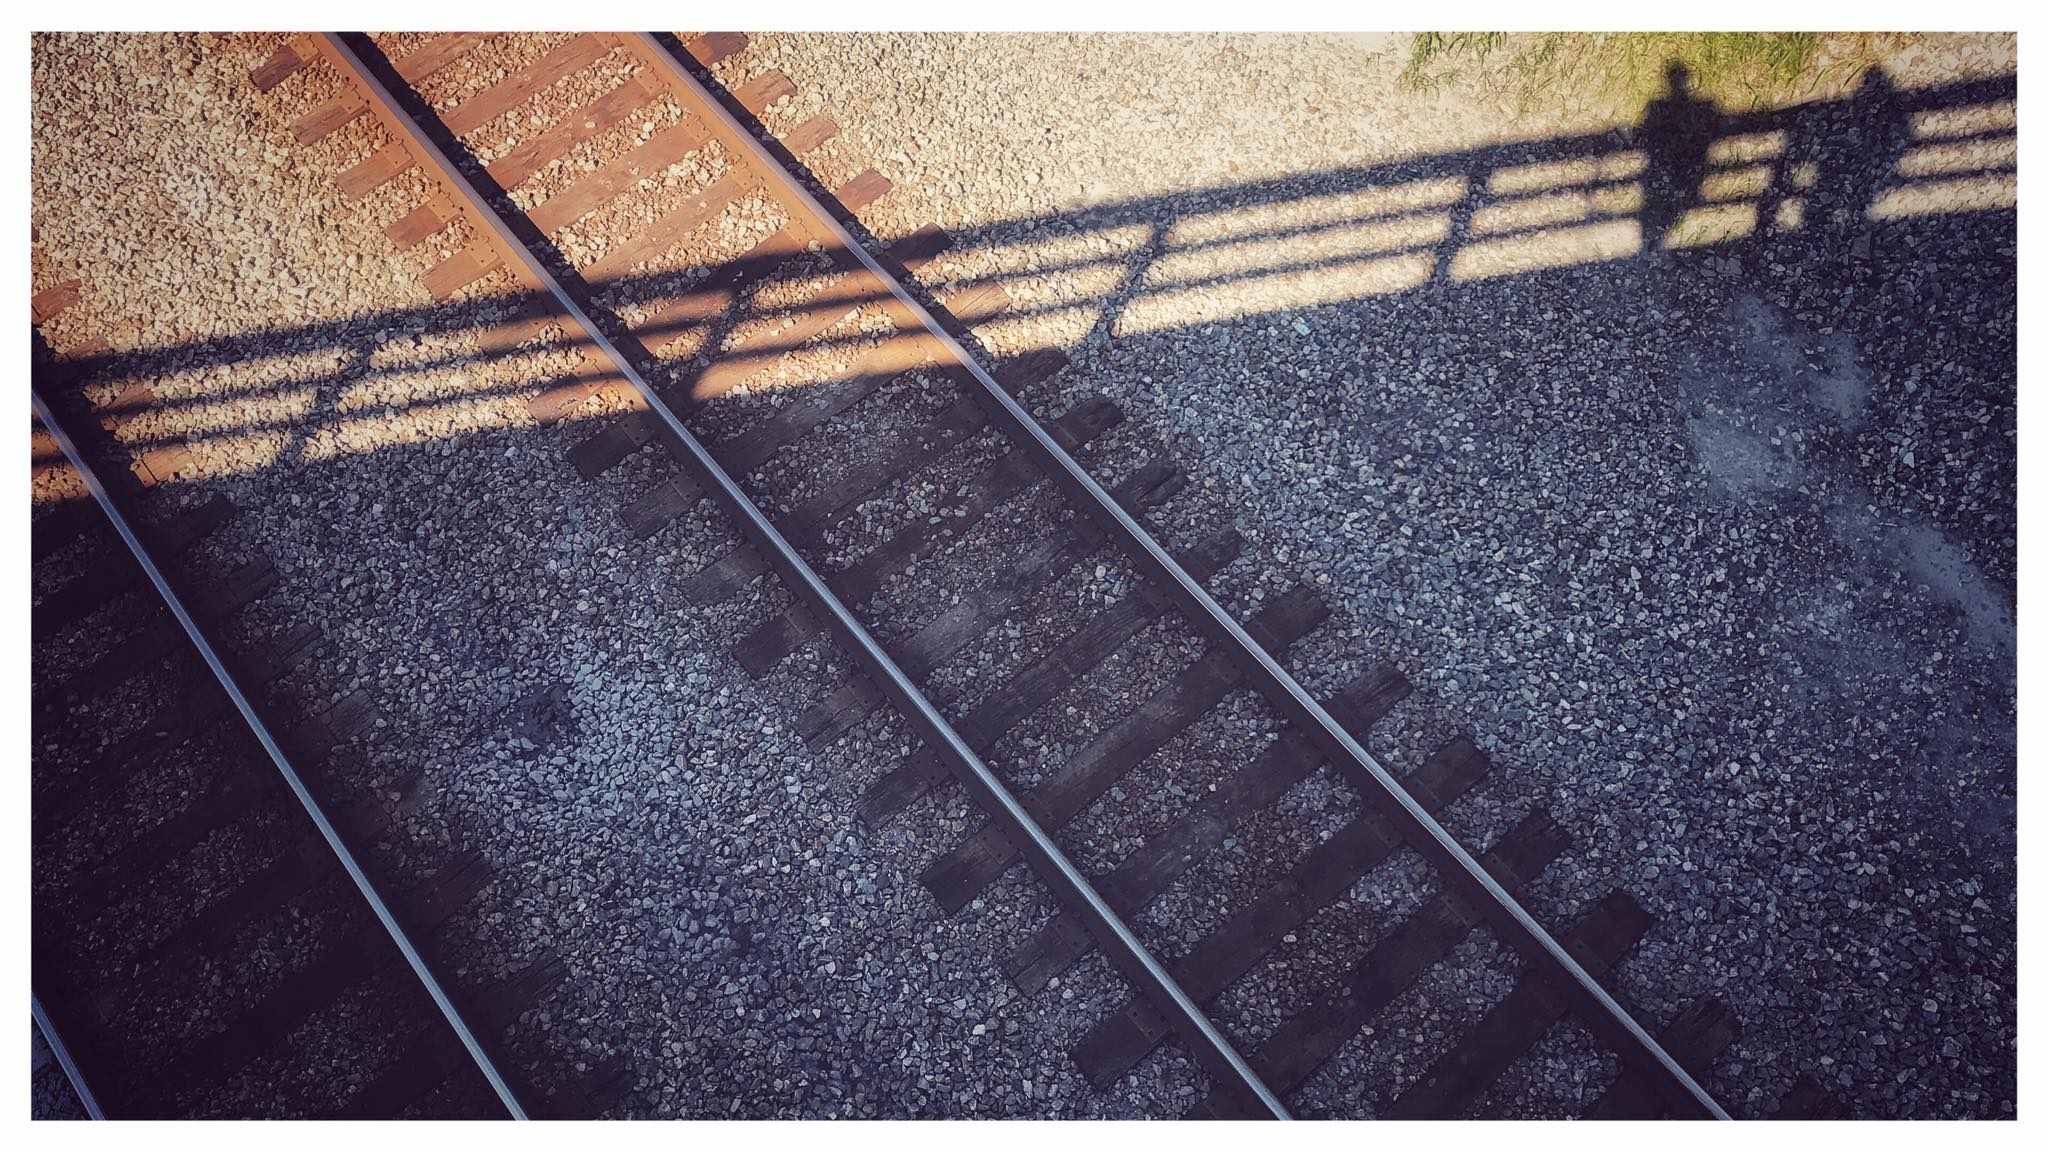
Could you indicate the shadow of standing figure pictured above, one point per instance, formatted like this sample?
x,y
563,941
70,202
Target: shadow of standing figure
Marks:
x,y
1676,129
1857,162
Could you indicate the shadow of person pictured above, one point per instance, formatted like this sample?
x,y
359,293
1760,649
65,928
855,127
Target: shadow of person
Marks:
x,y
1676,128
1855,162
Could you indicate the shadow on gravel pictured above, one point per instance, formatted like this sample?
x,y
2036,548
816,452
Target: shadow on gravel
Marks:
x,y
1791,334
1875,184
1883,225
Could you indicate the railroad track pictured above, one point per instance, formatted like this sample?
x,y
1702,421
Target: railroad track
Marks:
x,y
806,287
745,279
207,938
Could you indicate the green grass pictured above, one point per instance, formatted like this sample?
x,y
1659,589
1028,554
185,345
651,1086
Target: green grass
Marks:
x,y
1622,72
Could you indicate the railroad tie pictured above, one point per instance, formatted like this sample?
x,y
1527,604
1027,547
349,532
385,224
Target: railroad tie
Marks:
x,y
436,1055
599,186
423,222
435,55
980,609
222,800
158,639
282,64
713,303
218,1055
339,968
420,1070
1115,1045
502,1003
1047,677
516,89
1461,1076
1300,1046
810,135
708,48
663,319
760,93
664,232
53,301
592,1093
180,953
855,289
805,524
102,583
748,450
329,118
66,522
374,171
150,461
1808,1099
459,271
200,706
1695,1036
1148,871
656,508
957,876
1009,475
593,119
739,364
285,878
78,599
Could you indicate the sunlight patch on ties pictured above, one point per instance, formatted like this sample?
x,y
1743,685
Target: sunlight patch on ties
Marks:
x,y
225,416
212,457
1966,161
1313,212
1221,263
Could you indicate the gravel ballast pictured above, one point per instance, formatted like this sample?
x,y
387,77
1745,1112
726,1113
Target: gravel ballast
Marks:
x,y
1713,553
648,812
1713,550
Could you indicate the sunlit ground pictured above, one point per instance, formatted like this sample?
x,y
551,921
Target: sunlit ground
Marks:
x,y
1219,253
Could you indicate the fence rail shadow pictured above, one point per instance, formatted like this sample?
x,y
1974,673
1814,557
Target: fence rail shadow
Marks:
x,y
1819,177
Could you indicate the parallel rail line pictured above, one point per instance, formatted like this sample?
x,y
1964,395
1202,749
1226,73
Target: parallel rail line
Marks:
x,y
259,728
96,982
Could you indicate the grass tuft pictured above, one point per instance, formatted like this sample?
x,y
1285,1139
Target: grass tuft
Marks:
x,y
1622,72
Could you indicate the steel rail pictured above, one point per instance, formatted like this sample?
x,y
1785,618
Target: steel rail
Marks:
x,y
1501,909
1119,943
62,1052
276,752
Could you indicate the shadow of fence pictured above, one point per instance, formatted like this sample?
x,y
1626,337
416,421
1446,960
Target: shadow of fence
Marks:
x,y
1813,183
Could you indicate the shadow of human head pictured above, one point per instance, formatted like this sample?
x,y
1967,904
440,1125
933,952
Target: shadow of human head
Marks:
x,y
1677,80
